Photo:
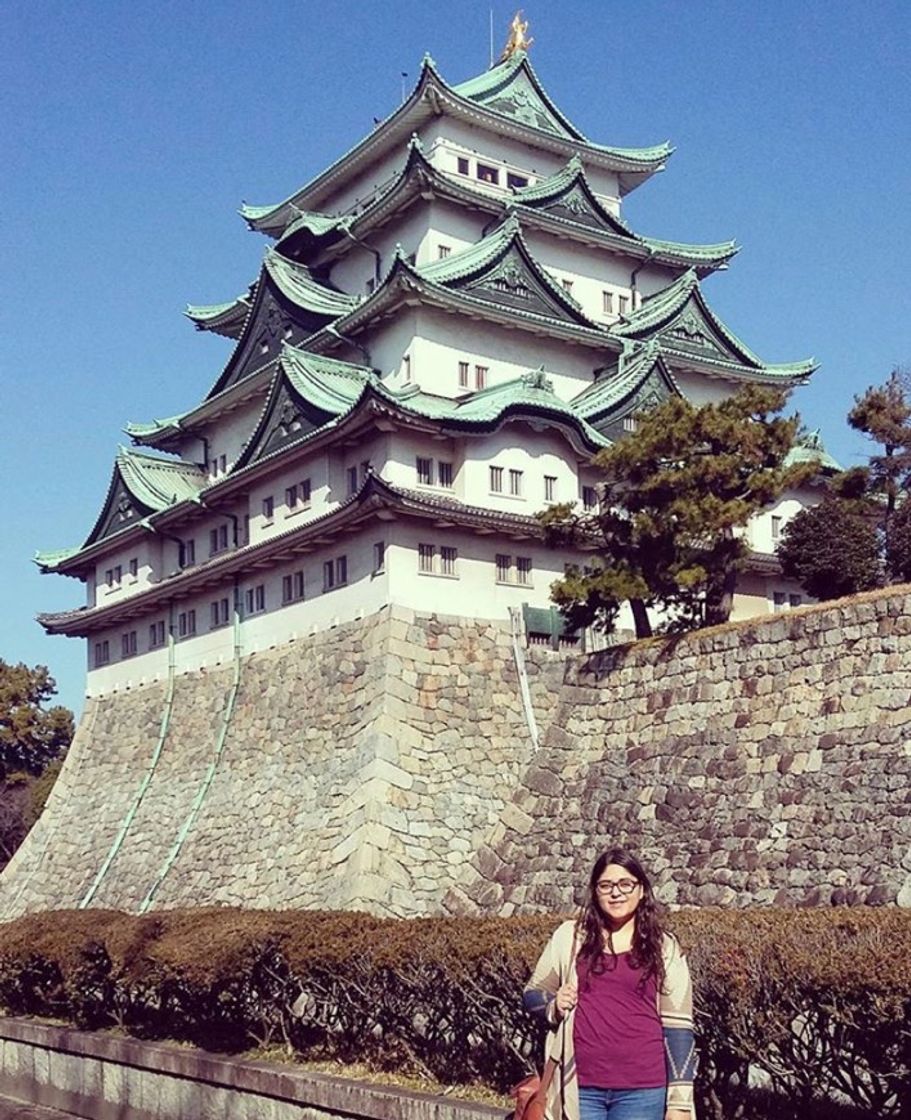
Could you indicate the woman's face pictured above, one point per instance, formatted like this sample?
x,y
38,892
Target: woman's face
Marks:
x,y
618,893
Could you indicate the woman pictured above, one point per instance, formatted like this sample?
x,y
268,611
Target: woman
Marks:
x,y
617,988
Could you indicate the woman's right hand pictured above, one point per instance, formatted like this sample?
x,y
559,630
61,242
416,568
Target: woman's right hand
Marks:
x,y
567,995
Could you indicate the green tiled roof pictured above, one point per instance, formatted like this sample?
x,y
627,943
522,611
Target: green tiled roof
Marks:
x,y
614,387
809,448
297,283
153,427
48,561
159,483
659,310
222,318
512,89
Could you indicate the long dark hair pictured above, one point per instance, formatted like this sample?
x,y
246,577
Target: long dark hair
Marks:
x,y
648,936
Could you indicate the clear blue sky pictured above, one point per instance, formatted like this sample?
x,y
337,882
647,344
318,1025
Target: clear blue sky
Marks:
x,y
132,131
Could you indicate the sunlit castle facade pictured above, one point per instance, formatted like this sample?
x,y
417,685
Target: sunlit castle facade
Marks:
x,y
448,323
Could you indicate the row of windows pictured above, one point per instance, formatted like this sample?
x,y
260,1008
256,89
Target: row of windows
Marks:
x,y
113,576
432,472
488,173
297,496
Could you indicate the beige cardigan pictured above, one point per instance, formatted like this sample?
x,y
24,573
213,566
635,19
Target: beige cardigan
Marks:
x,y
555,966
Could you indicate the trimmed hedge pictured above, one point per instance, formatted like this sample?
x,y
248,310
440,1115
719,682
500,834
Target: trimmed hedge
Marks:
x,y
815,1002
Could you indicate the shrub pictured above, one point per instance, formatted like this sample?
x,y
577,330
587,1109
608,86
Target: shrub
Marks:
x,y
814,1000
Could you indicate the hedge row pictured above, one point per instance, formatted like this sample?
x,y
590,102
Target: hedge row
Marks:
x,y
815,1003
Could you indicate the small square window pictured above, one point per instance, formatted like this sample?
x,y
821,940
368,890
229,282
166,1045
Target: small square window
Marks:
x,y
589,497
328,575
568,286
504,566
425,557
219,613
444,475
488,174
352,480
607,303
623,304
779,600
268,508
303,490
515,483
134,567
776,528
448,558
128,644
186,624
406,368
516,182
550,488
443,252
480,377
424,471
293,587
795,600
462,165
629,423
379,557
157,634
187,554
102,653
496,480
523,570
291,496
341,571
463,375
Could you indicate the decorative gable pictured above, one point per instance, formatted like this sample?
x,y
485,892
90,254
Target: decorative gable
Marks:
x,y
521,101
691,331
121,510
514,282
286,419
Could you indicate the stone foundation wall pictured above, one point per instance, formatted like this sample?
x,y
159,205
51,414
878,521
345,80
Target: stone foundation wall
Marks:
x,y
359,768
387,764
763,762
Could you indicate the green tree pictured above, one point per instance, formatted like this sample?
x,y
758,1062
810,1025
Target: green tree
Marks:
x,y
883,414
831,549
673,496
31,734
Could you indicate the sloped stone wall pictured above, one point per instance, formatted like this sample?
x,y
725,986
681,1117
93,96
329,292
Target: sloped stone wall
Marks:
x,y
359,768
388,765
768,761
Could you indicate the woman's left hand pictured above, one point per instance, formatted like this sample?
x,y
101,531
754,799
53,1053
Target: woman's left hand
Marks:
x,y
678,1114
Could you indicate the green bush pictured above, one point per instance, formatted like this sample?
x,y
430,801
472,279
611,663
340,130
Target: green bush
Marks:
x,y
814,1001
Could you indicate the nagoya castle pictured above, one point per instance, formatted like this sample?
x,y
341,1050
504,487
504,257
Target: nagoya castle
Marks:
x,y
449,322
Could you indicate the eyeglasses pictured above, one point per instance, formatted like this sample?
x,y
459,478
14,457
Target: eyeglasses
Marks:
x,y
617,886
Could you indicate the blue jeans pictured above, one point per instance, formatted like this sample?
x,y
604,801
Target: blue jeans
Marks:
x,y
621,1104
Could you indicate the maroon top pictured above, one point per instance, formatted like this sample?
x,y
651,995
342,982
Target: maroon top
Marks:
x,y
617,1032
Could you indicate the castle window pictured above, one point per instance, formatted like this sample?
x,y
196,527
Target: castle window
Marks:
x,y
779,601
443,251
516,182
480,377
503,567
607,303
794,600
515,483
268,509
523,570
157,634
488,174
550,488
462,165
218,539
335,573
463,375
496,480
255,599
568,287
589,497
297,496
379,558
444,475
776,528
186,553
128,644
629,423
219,612
352,480
293,587
623,304
370,286
186,624
133,568
102,653
406,367
424,471
448,558
426,554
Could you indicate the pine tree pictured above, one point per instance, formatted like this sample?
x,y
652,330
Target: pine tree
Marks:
x,y
31,735
674,495
831,549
